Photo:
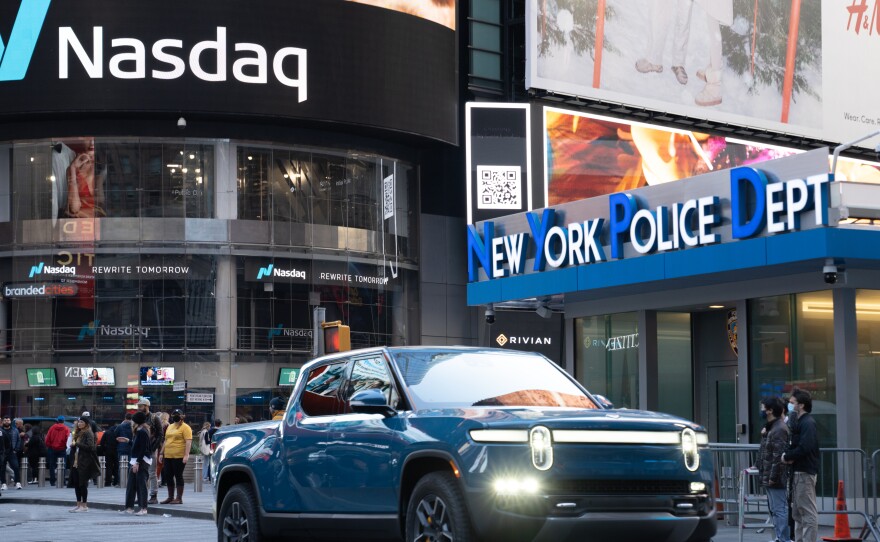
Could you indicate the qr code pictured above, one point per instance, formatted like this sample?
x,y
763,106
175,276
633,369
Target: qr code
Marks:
x,y
499,187
388,197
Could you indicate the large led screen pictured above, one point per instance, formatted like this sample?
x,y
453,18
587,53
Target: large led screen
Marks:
x,y
588,156
98,376
333,61
794,67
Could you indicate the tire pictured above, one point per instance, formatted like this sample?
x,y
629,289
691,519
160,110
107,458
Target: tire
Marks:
x,y
437,511
238,520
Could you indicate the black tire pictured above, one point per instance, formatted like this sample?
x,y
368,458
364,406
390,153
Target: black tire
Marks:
x,y
437,511
238,520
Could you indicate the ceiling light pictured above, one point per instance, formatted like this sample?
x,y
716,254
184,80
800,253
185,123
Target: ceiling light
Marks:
x,y
716,306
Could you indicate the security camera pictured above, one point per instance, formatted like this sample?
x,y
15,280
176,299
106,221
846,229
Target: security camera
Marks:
x,y
829,271
181,123
490,315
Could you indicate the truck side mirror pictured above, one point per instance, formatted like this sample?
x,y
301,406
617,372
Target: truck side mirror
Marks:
x,y
371,401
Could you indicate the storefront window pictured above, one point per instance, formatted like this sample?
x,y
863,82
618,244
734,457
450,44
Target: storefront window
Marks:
x,y
791,344
675,378
607,357
868,319
87,178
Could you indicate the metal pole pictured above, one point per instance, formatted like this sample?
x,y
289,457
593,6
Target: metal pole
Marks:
x,y
102,465
41,472
197,479
123,471
23,471
317,331
59,474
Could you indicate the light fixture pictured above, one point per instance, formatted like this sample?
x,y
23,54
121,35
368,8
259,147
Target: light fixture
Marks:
x,y
828,307
716,306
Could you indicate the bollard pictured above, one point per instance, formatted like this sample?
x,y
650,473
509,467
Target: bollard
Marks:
x,y
59,474
123,471
23,472
198,475
41,472
102,468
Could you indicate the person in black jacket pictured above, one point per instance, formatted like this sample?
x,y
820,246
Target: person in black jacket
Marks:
x,y
139,472
773,473
803,456
35,450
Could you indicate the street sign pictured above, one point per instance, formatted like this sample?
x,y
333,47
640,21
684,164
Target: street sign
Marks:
x,y
179,386
199,397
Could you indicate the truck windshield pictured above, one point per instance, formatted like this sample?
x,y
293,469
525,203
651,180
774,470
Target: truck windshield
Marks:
x,y
461,379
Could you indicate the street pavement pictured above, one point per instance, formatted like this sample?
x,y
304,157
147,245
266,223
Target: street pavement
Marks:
x,y
36,514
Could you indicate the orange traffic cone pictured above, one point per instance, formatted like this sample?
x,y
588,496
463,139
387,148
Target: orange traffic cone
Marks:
x,y
841,521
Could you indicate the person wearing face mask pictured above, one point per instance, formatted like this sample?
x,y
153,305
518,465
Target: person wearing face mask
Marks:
x,y
773,473
175,454
803,456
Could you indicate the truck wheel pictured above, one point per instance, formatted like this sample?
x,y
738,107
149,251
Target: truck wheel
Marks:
x,y
436,511
238,520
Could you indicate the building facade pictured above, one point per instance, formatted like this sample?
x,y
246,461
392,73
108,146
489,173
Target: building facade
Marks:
x,y
177,199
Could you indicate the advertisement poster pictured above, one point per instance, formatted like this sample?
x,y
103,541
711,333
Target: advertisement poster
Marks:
x,y
588,156
780,65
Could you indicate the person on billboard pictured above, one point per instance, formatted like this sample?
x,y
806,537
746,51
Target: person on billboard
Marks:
x,y
94,376
718,12
85,185
661,15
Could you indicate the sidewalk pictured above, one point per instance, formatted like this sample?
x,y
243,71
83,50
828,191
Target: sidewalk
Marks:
x,y
195,505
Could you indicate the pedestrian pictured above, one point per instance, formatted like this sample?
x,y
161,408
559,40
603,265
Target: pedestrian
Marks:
x,y
277,407
163,422
12,445
218,423
93,425
175,454
111,457
36,449
56,447
205,447
85,463
139,470
5,450
772,472
157,437
803,456
124,436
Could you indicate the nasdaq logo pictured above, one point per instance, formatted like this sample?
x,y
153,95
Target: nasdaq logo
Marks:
x,y
15,55
276,331
88,330
43,269
265,272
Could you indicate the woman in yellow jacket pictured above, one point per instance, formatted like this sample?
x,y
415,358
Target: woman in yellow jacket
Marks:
x,y
175,454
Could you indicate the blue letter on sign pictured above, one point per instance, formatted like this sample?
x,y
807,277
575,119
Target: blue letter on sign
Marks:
x,y
539,229
478,247
623,207
745,182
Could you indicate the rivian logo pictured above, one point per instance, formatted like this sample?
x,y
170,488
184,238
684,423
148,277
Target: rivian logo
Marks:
x,y
501,340
15,55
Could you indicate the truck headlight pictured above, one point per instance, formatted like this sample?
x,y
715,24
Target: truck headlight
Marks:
x,y
511,487
541,443
690,449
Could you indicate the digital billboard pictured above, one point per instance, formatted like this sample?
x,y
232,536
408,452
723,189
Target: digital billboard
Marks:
x,y
287,376
157,376
777,65
97,376
42,378
333,61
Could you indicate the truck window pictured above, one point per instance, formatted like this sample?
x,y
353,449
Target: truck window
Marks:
x,y
321,396
368,374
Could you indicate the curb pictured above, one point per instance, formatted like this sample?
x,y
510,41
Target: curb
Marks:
x,y
151,510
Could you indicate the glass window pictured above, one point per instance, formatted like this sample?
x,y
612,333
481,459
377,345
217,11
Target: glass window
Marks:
x,y
368,374
321,396
791,344
607,357
868,321
675,379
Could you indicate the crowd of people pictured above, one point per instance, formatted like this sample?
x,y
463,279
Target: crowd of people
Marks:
x,y
156,446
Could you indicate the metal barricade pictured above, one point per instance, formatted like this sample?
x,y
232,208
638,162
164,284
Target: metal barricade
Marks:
x,y
752,504
729,461
23,473
41,472
59,474
197,479
102,467
123,471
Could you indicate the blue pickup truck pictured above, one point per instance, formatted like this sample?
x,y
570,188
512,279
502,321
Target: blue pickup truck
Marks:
x,y
454,443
